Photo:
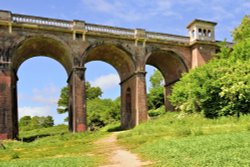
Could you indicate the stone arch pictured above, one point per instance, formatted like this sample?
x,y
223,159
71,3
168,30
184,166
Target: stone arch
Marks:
x,y
124,64
30,47
42,46
115,55
171,65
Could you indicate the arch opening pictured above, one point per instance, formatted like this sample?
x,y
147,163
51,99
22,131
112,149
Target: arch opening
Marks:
x,y
155,91
30,48
116,56
104,108
39,86
171,66
123,63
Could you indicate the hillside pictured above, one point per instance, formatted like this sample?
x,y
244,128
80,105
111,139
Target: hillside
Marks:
x,y
191,140
170,140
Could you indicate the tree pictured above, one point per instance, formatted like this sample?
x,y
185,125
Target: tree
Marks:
x,y
242,32
24,121
156,79
63,100
48,122
222,86
36,122
91,93
102,112
156,91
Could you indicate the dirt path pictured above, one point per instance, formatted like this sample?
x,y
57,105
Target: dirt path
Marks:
x,y
118,156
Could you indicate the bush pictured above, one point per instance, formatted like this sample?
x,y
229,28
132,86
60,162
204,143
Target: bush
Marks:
x,y
157,112
219,88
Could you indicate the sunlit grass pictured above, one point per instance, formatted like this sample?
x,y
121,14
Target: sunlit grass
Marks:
x,y
192,140
53,146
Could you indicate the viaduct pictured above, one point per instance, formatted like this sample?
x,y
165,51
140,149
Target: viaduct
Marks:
x,y
74,43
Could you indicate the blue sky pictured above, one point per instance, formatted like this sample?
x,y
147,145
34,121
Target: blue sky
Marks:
x,y
40,79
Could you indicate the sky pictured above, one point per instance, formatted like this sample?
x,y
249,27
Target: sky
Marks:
x,y
41,79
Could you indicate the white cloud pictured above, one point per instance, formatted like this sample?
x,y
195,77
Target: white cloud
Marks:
x,y
50,89
47,96
45,99
106,81
34,111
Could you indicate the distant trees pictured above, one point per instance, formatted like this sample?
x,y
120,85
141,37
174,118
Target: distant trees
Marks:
x,y
36,122
222,86
100,111
155,95
92,93
156,91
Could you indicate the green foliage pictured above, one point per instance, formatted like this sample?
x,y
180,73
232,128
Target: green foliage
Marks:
x,y
156,79
102,112
156,91
241,50
36,122
157,112
25,121
242,32
92,92
225,51
218,88
63,102
222,86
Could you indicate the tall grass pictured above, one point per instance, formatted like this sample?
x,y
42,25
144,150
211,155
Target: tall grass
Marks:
x,y
51,147
192,140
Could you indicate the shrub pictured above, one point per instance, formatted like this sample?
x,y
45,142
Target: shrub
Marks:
x,y
219,88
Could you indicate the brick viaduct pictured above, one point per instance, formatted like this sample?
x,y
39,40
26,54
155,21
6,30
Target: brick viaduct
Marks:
x,y
74,43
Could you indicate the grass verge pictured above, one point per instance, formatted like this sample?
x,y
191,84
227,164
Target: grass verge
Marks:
x,y
191,140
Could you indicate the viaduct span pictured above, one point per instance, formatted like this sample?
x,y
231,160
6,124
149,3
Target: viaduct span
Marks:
x,y
74,43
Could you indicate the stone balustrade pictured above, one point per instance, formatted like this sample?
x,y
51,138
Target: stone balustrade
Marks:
x,y
16,18
167,37
110,29
95,28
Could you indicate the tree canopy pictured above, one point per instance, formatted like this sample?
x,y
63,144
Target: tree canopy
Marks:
x,y
91,93
36,122
100,111
156,91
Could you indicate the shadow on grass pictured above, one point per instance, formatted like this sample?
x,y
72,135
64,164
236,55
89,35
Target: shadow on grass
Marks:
x,y
33,138
115,129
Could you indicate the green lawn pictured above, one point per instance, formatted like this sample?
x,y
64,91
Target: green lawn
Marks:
x,y
51,147
170,140
191,140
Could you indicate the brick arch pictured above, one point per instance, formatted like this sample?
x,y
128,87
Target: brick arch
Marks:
x,y
26,48
114,55
42,46
169,63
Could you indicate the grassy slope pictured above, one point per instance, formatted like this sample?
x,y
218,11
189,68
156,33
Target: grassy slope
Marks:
x,y
52,147
179,140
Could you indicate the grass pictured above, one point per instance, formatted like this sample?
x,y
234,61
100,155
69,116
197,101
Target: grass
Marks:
x,y
51,147
191,140
170,140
